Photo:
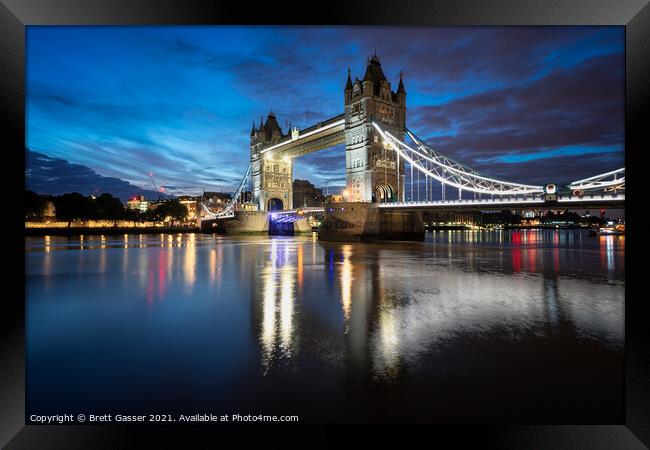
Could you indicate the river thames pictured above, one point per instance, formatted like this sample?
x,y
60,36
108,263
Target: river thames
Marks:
x,y
468,326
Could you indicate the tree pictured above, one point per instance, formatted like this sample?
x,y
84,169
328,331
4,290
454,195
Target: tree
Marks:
x,y
175,209
109,207
153,215
74,206
34,206
133,215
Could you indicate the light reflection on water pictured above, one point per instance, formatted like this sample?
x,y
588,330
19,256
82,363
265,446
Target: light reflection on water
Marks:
x,y
278,287
382,312
346,281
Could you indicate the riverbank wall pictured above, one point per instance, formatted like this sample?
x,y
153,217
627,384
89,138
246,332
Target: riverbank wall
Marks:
x,y
76,231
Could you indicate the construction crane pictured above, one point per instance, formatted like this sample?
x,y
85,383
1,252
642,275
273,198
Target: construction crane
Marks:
x,y
159,190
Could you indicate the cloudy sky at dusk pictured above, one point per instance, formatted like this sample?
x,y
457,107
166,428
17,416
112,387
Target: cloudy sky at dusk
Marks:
x,y
108,105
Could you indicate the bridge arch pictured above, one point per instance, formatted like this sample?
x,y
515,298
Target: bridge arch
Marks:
x,y
274,204
384,193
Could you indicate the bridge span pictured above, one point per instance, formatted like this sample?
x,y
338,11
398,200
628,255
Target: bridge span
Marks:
x,y
392,176
484,204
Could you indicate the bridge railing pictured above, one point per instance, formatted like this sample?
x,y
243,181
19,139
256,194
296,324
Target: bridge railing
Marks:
x,y
508,200
466,201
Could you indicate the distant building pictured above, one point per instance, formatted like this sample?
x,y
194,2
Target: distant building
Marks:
x,y
215,201
306,194
505,217
334,198
247,196
216,198
154,204
452,217
192,205
138,203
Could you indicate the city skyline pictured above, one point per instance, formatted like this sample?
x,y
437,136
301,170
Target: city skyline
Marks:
x,y
106,106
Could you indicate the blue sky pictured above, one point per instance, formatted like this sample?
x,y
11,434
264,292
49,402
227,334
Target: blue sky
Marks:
x,y
108,105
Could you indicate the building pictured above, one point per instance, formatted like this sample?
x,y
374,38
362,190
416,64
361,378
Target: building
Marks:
x,y
306,194
371,169
504,217
270,175
192,205
334,198
442,218
155,204
138,203
215,201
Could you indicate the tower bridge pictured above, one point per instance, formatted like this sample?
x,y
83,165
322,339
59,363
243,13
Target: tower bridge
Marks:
x,y
391,174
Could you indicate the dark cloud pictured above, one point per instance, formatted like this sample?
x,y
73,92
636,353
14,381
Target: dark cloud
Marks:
x,y
54,176
575,109
443,60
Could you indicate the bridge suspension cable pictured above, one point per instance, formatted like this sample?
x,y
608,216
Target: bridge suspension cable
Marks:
x,y
449,172
444,159
228,210
609,181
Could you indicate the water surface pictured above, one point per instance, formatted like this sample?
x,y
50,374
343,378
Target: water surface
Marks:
x,y
499,326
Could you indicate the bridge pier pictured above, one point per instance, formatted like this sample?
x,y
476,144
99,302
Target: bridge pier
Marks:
x,y
253,223
351,221
244,222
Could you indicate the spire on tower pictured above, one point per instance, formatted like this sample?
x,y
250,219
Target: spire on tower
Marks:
x,y
400,88
348,83
272,123
374,74
253,129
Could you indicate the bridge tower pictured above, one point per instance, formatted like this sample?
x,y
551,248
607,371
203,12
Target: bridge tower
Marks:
x,y
271,174
372,170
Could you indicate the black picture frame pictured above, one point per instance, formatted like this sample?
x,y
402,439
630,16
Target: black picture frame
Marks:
x,y
15,15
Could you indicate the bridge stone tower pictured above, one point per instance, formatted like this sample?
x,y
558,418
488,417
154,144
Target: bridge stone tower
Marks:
x,y
271,174
373,172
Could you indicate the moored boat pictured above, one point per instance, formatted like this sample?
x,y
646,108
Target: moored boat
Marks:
x,y
615,230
